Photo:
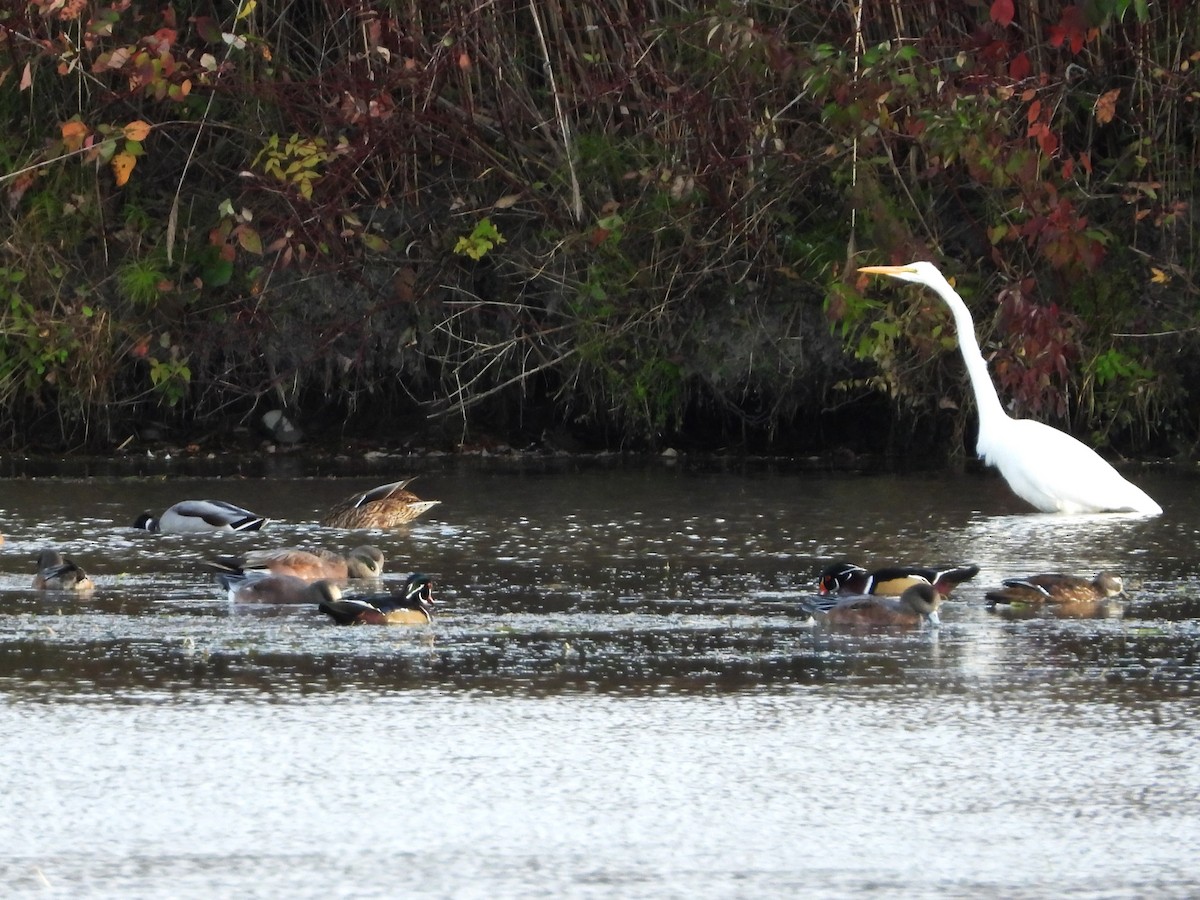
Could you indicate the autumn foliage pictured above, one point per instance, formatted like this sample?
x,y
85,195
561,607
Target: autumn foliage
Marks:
x,y
626,224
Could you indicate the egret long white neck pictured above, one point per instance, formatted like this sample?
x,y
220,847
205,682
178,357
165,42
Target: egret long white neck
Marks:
x,y
986,398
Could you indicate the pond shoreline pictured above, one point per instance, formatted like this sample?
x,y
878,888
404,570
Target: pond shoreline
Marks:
x,y
251,458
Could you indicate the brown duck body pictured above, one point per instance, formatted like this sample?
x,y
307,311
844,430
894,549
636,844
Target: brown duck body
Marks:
x,y
386,506
1055,587
918,604
308,565
56,573
891,581
263,587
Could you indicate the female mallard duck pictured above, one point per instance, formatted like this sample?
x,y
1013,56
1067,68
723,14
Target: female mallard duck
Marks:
x,y
413,607
263,587
189,516
1057,588
55,573
386,506
892,581
918,604
310,565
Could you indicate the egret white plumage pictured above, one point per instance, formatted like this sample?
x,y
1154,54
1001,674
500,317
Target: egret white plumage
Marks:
x,y
1042,465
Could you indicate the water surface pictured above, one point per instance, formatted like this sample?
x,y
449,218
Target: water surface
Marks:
x,y
621,695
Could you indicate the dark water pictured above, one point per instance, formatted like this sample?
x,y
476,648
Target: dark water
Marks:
x,y
620,696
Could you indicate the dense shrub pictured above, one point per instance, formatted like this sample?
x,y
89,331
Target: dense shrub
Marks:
x,y
630,223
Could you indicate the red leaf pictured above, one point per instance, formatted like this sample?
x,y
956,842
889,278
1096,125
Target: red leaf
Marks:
x,y
1020,67
1048,141
1035,110
208,29
1072,26
1002,12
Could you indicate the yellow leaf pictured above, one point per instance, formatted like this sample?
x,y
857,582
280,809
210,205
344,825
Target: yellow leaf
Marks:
x,y
249,239
1158,276
1106,106
73,134
122,165
247,9
137,130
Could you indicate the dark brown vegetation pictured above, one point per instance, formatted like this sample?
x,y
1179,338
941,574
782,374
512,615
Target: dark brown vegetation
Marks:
x,y
619,223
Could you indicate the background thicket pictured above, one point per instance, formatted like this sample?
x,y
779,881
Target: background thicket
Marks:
x,y
605,224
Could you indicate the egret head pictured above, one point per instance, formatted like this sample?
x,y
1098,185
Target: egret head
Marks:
x,y
920,272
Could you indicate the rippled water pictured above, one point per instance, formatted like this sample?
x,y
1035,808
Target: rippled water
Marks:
x,y
620,696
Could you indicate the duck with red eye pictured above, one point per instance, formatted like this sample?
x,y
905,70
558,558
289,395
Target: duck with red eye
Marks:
x,y
891,581
1054,587
413,607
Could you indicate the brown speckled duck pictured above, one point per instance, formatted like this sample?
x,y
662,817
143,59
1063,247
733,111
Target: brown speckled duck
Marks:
x,y
386,506
1055,587
309,565
56,573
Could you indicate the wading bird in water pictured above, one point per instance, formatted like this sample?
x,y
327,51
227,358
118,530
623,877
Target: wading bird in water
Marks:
x,y
1042,465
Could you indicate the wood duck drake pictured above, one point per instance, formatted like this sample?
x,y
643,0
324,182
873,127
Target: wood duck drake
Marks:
x,y
413,607
917,605
263,587
56,573
190,516
386,506
1055,587
892,581
310,565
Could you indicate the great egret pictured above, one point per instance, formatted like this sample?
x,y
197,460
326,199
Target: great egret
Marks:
x,y
1042,465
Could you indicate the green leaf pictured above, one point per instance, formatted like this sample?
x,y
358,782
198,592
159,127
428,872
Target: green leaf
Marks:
x,y
250,240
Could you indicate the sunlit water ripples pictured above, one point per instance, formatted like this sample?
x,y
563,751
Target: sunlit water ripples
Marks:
x,y
621,695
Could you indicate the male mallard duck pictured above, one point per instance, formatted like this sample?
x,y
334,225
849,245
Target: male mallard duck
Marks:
x,y
263,587
919,603
189,516
386,506
892,581
55,573
1057,588
413,607
310,565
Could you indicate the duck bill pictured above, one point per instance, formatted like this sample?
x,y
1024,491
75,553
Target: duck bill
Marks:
x,y
935,620
886,270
